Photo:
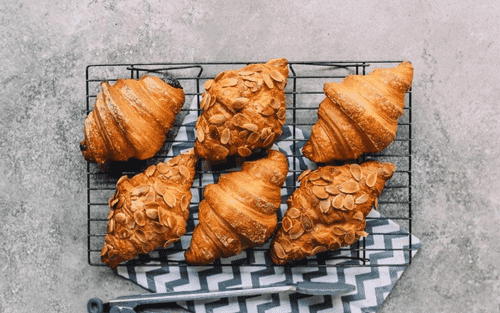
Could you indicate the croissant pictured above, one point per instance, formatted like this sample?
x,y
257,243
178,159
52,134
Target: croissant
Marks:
x,y
239,212
328,210
359,115
131,119
149,210
243,110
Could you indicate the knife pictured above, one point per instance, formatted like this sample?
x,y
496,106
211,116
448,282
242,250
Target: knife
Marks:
x,y
127,304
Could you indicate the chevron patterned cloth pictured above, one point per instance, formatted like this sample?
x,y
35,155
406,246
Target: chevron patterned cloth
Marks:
x,y
373,266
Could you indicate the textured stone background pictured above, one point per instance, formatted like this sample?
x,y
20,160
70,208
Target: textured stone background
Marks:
x,y
46,47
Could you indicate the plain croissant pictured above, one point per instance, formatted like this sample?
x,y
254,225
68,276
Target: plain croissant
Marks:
x,y
131,119
328,210
239,212
359,115
149,210
243,110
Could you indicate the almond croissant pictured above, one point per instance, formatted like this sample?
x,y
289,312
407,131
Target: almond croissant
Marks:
x,y
149,210
131,119
328,210
359,114
239,212
243,110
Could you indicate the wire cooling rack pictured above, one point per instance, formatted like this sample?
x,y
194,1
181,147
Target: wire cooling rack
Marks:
x,y
304,92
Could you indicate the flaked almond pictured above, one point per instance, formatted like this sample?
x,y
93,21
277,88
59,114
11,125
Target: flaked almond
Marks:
x,y
320,182
250,78
356,171
325,205
168,243
185,202
139,218
358,216
250,84
307,222
184,171
318,249
162,168
207,100
371,179
169,198
213,99
349,202
269,140
267,111
225,136
112,203
230,82
264,133
281,113
268,81
152,213
122,179
338,231
139,191
293,212
296,231
111,226
163,217
281,86
213,132
275,104
240,103
140,235
150,196
350,186
250,126
333,190
111,213
244,151
245,73
375,204
361,199
327,176
120,217
319,192
160,187
124,233
338,201
221,150
243,134
350,238
286,223
150,171
180,231
286,244
280,253
361,233
315,175
240,119
208,84
303,174
217,119
253,138
171,222
200,134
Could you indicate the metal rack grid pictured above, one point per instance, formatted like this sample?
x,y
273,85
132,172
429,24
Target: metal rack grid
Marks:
x,y
304,92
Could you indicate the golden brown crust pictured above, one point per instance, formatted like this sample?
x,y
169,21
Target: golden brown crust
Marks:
x,y
359,115
243,110
239,212
328,210
130,119
149,210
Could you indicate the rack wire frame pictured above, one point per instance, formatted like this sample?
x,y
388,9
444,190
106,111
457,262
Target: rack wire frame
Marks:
x,y
101,179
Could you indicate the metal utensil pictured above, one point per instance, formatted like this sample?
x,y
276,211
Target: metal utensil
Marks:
x,y
127,304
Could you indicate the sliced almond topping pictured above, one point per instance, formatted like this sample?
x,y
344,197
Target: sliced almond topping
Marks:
x,y
151,196
208,84
281,113
213,99
358,216
169,198
338,201
160,187
139,218
171,221
286,244
217,119
280,253
242,134
230,82
251,127
250,78
253,138
122,179
225,136
180,231
111,226
152,213
296,231
269,140
104,250
250,84
333,190
325,205
240,119
213,132
267,111
320,182
140,191
136,205
362,233
240,103
268,81
356,171
200,134
349,202
185,202
315,175
375,204
244,151
319,192
114,202
245,73
303,174
162,168
120,217
150,171
286,223
371,179
111,213
264,133
350,238
307,222
184,171
327,176
140,235
162,217
318,249
350,186
293,212
277,76
207,99
338,231
362,199
275,104
281,86
221,150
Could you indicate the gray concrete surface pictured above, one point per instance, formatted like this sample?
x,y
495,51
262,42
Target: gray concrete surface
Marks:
x,y
46,46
